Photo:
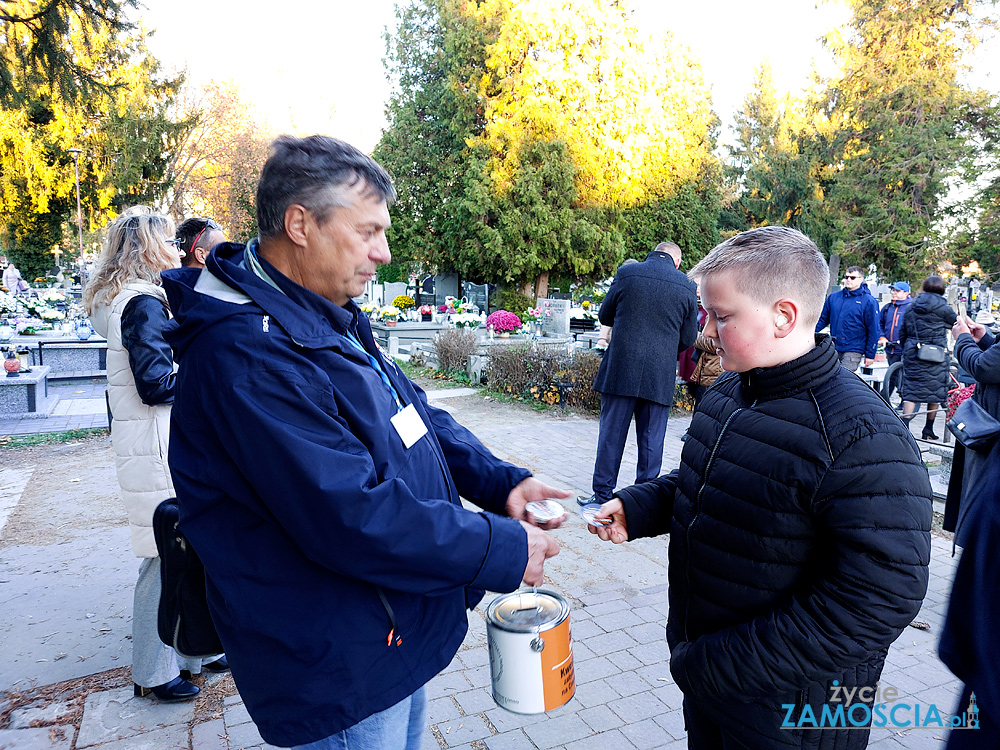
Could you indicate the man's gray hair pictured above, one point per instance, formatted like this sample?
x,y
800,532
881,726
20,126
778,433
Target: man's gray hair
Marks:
x,y
773,263
315,173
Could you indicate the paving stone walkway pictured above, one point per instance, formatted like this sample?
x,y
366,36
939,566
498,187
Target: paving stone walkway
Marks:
x,y
625,697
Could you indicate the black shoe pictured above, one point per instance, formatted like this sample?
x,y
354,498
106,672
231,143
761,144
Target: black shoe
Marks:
x,y
178,689
219,665
928,434
587,500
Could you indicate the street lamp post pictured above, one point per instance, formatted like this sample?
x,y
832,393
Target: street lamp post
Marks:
x,y
79,213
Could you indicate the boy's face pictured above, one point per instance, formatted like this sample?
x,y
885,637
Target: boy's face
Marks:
x,y
743,327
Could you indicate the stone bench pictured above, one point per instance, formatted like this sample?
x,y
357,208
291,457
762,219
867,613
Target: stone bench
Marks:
x,y
26,395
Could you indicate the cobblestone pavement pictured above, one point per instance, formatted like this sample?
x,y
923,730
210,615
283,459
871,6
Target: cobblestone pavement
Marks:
x,y
624,698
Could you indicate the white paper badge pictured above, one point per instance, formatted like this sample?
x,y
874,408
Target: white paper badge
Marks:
x,y
409,426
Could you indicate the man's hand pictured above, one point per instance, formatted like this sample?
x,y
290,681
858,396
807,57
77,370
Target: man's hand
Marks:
x,y
883,341
617,530
869,361
971,327
540,548
533,490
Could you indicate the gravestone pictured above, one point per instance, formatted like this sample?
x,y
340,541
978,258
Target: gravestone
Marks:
x,y
445,285
558,321
393,289
477,294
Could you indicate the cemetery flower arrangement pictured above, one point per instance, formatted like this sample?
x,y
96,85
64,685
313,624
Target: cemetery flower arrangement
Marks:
x,y
50,314
8,304
426,310
503,321
532,314
403,302
955,399
370,309
465,320
585,304
52,296
389,312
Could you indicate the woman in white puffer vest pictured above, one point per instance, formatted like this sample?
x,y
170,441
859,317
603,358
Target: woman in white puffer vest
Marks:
x,y
128,307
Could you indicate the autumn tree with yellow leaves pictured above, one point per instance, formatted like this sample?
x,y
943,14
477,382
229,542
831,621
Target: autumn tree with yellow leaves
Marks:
x,y
532,137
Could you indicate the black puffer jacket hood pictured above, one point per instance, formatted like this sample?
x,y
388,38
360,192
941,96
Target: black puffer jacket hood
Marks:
x,y
799,545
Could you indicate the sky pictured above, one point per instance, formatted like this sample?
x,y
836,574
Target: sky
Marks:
x,y
317,66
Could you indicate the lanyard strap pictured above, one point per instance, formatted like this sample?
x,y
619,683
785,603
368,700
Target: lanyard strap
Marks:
x,y
378,368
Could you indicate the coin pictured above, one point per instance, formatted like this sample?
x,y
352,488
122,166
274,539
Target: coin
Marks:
x,y
545,510
589,514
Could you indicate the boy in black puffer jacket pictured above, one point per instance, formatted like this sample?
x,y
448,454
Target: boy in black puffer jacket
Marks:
x,y
799,518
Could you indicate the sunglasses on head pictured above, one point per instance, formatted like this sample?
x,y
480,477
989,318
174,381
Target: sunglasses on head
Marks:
x,y
208,225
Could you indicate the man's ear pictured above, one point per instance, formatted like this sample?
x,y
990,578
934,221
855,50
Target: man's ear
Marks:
x,y
296,221
786,316
201,255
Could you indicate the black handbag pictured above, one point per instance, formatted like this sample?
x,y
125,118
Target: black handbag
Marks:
x,y
183,620
931,353
973,426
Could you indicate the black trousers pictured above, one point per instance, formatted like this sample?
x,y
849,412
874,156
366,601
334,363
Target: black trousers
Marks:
x,y
650,429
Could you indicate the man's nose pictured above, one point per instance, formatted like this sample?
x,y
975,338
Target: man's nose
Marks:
x,y
380,251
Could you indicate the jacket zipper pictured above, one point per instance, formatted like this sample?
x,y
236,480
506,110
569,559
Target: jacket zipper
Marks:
x,y
697,513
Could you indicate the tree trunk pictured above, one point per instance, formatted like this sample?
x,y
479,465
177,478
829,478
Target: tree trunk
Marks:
x,y
542,285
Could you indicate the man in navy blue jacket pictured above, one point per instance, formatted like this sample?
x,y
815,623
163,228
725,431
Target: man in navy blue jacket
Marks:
x,y
852,314
319,487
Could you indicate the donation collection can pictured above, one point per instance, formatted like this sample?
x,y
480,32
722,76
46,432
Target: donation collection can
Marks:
x,y
531,651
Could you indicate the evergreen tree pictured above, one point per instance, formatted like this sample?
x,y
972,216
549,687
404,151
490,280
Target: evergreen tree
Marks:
x,y
895,129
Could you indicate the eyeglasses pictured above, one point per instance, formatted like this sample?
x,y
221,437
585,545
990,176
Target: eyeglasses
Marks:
x,y
176,242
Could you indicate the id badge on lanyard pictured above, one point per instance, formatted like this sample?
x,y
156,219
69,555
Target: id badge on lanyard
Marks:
x,y
409,426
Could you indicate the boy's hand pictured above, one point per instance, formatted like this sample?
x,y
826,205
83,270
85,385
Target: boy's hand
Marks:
x,y
869,361
617,530
532,489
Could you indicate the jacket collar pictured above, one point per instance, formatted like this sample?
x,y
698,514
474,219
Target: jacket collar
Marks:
x,y
310,320
863,289
812,369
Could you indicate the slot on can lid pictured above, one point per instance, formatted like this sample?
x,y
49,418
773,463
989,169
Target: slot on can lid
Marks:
x,y
527,611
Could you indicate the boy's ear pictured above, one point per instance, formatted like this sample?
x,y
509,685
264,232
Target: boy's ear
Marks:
x,y
786,316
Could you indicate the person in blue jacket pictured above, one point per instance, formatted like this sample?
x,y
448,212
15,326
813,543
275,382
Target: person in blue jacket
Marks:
x,y
890,321
317,484
852,314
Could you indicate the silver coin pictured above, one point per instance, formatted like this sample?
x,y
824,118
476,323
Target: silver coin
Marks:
x,y
589,514
545,510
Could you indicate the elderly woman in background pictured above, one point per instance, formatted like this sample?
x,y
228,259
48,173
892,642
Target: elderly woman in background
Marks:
x,y
926,324
128,306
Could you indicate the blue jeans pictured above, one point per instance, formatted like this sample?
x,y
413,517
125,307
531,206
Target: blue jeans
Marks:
x,y
399,727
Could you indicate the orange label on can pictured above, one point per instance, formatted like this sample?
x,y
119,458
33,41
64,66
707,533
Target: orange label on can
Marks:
x,y
558,680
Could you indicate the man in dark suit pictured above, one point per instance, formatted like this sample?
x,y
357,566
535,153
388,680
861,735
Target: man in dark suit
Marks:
x,y
653,308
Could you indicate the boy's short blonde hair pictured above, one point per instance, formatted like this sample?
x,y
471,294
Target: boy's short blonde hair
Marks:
x,y
773,263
